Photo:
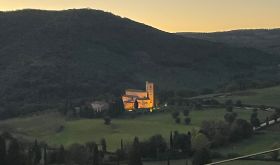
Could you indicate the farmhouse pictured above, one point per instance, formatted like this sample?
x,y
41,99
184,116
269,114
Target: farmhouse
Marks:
x,y
99,106
144,98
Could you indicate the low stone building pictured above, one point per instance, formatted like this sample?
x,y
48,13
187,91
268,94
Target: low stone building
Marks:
x,y
99,106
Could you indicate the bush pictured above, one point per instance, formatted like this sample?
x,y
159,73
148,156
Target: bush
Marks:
x,y
240,129
238,103
154,145
199,142
230,117
232,155
274,155
178,120
202,156
217,155
186,112
228,103
107,120
229,108
175,114
187,120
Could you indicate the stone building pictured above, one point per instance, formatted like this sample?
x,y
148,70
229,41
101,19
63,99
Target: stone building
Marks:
x,y
145,98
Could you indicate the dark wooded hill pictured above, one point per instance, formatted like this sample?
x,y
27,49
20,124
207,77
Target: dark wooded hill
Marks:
x,y
262,39
47,57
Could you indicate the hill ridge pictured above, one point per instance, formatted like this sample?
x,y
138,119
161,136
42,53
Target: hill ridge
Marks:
x,y
48,57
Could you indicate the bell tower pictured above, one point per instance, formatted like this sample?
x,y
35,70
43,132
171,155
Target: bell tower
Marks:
x,y
151,93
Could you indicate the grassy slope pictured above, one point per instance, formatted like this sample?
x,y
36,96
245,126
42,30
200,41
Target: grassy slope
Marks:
x,y
266,96
239,162
257,143
80,131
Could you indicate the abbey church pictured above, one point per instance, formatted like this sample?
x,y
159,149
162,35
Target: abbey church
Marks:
x,y
145,98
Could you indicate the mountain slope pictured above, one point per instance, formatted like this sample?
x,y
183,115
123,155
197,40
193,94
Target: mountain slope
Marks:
x,y
47,57
266,40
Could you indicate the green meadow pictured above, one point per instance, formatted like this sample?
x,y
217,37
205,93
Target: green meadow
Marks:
x,y
267,96
56,129
259,142
237,162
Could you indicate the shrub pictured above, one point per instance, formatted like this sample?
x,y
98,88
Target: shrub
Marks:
x,y
202,156
240,129
274,155
238,103
187,120
186,112
107,120
200,141
175,114
233,155
228,103
178,120
230,117
229,108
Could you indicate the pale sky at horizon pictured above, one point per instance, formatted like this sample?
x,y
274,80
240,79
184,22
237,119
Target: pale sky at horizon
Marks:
x,y
174,15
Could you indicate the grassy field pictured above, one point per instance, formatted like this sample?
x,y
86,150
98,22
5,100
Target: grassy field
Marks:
x,y
260,142
47,127
267,96
238,162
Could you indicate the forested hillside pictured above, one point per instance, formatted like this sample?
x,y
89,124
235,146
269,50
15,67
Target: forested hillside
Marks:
x,y
265,40
50,57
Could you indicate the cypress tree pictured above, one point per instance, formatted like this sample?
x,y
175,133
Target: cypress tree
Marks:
x,y
45,155
61,158
135,153
171,141
2,151
189,142
136,105
36,152
14,157
104,145
95,155
121,144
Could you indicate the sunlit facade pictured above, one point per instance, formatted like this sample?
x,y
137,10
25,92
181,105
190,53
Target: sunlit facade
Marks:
x,y
145,98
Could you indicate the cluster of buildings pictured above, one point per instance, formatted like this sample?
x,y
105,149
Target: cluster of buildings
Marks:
x,y
145,99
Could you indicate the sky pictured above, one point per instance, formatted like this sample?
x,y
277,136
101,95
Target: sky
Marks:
x,y
174,15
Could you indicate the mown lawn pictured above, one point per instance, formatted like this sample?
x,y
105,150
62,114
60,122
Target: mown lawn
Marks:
x,y
55,129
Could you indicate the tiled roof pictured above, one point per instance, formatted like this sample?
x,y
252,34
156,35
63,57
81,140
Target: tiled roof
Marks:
x,y
134,90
